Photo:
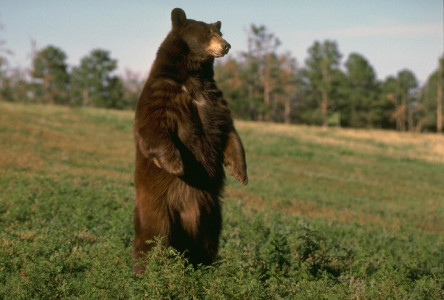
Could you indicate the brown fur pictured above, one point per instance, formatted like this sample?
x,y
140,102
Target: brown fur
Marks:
x,y
184,133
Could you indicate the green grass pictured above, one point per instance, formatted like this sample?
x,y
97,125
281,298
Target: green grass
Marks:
x,y
341,214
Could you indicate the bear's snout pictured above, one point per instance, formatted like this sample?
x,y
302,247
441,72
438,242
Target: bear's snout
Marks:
x,y
218,47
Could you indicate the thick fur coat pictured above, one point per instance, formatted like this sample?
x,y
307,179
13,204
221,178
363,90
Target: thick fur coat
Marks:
x,y
184,134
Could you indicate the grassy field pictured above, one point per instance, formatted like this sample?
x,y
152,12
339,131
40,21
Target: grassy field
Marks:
x,y
337,214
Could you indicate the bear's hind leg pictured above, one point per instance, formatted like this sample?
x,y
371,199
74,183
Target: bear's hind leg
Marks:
x,y
211,236
207,245
146,228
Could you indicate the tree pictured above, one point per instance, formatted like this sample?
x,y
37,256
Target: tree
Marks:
x,y
51,75
431,99
229,74
322,70
94,84
405,100
439,90
263,81
132,87
401,91
260,58
360,94
286,87
388,99
5,85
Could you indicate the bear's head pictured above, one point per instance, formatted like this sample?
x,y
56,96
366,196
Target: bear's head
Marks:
x,y
203,40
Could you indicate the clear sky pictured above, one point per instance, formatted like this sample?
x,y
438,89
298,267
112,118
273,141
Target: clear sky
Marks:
x,y
391,34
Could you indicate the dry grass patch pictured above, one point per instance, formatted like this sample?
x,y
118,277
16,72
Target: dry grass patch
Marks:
x,y
61,139
427,147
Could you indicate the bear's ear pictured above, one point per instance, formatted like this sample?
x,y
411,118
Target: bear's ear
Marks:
x,y
178,17
218,25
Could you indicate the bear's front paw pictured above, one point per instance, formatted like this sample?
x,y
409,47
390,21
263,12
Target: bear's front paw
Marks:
x,y
240,173
242,177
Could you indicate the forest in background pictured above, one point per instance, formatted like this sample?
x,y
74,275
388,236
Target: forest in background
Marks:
x,y
260,84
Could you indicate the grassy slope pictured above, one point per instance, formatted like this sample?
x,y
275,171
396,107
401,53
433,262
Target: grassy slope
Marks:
x,y
387,178
327,212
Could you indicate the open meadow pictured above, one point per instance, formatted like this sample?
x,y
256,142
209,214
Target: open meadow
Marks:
x,y
328,213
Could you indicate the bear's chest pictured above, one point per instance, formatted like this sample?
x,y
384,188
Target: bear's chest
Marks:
x,y
200,102
207,114
205,102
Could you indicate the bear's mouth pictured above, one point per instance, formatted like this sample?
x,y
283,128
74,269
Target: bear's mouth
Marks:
x,y
219,54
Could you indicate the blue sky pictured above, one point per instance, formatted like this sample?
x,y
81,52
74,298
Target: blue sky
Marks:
x,y
391,34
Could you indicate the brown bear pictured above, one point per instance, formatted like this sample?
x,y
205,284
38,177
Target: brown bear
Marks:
x,y
184,135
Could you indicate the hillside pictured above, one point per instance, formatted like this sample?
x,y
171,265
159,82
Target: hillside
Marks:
x,y
336,212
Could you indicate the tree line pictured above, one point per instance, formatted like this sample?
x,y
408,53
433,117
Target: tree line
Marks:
x,y
259,84
93,82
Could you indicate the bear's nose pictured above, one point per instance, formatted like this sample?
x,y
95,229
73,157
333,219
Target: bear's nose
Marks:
x,y
226,47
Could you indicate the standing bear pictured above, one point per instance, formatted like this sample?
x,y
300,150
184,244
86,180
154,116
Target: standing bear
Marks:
x,y
184,135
